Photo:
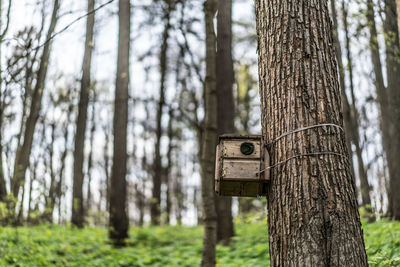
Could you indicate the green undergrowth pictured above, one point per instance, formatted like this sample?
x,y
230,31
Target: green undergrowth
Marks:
x,y
50,245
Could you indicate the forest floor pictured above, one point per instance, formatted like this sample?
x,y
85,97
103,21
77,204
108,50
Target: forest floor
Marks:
x,y
176,246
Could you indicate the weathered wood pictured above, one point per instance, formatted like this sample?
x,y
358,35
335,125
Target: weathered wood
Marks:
x,y
239,189
238,174
231,149
245,170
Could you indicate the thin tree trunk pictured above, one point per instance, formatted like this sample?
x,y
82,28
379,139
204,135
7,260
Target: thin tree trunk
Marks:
x,y
3,188
78,213
107,167
365,186
350,113
347,118
393,80
155,210
209,141
24,151
225,107
381,91
90,158
168,184
50,198
243,106
59,187
313,215
21,207
33,175
119,222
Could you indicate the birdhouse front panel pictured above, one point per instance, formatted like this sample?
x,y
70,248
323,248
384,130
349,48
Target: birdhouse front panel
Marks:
x,y
240,166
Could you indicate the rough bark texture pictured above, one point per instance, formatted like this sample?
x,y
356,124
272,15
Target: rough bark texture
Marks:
x,y
313,215
225,107
155,210
209,141
77,195
24,151
118,214
393,81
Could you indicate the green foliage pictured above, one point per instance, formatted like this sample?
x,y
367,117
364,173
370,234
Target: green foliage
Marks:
x,y
382,241
49,245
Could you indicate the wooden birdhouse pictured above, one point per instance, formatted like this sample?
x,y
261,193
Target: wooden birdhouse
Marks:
x,y
241,166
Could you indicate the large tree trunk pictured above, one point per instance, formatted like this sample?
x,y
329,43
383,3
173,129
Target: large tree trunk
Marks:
x,y
119,222
393,81
155,210
209,141
78,213
24,151
225,107
313,215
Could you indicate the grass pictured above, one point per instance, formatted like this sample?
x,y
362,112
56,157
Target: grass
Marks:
x,y
50,245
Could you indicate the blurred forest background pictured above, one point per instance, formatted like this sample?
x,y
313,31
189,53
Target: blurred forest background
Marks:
x,y
60,143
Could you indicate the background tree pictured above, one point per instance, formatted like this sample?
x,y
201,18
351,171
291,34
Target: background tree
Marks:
x,y
209,140
77,195
24,151
158,169
225,106
299,91
391,34
118,214
350,113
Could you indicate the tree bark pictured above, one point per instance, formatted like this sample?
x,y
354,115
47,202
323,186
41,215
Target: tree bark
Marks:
x,y
78,214
209,141
155,210
393,80
313,215
225,107
119,222
24,151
